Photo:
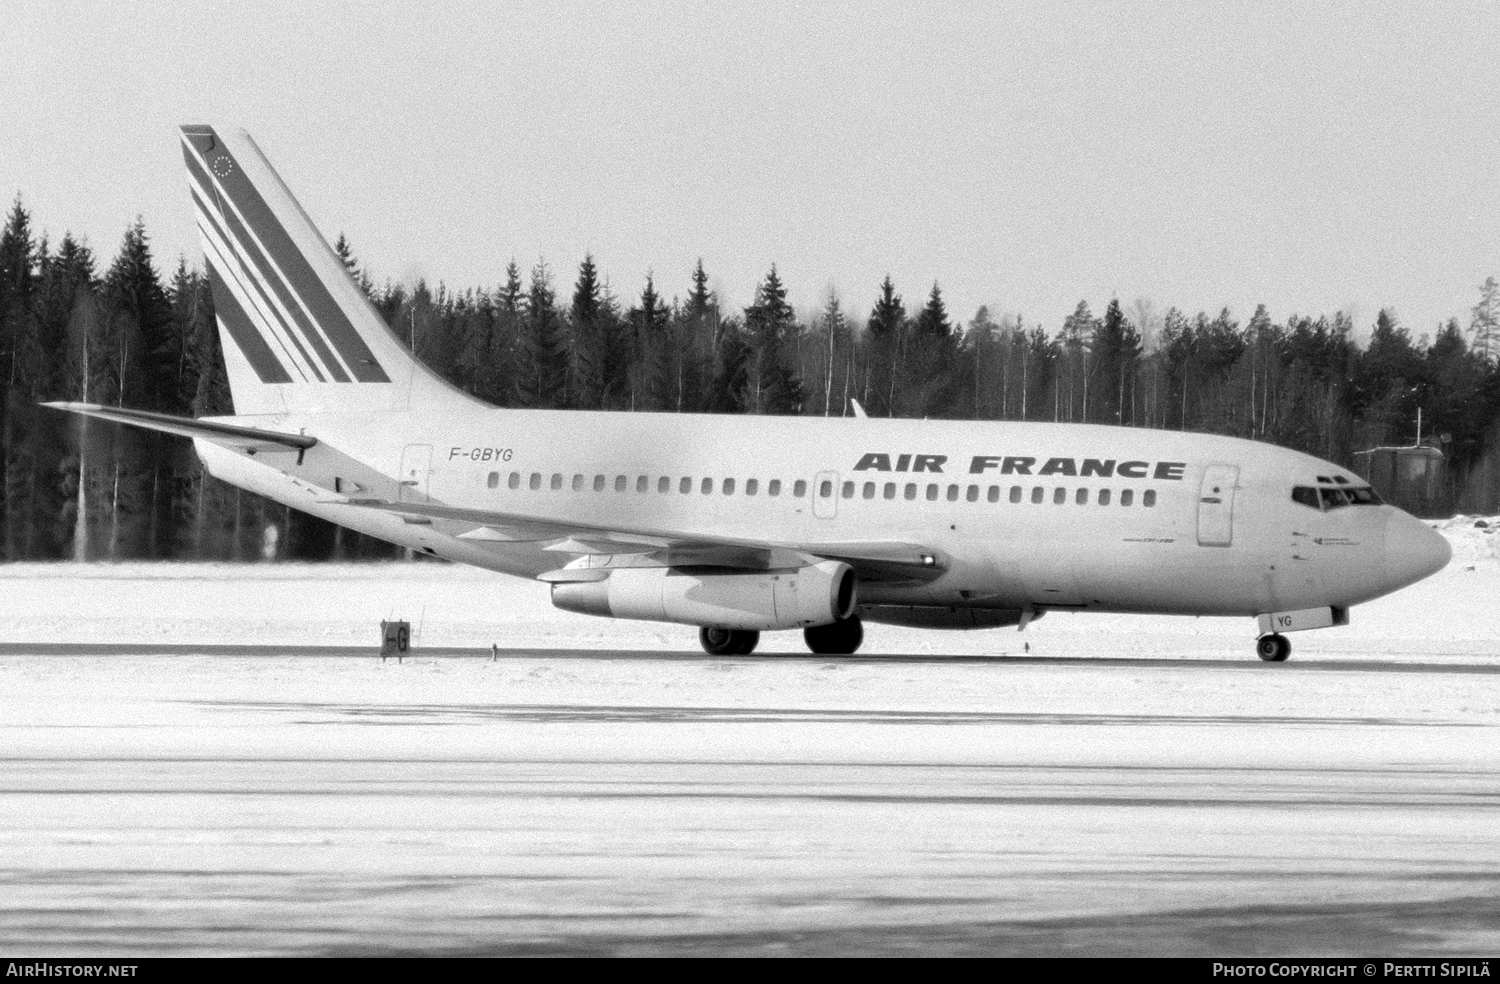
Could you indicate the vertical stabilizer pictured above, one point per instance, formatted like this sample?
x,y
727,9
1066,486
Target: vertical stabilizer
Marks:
x,y
298,334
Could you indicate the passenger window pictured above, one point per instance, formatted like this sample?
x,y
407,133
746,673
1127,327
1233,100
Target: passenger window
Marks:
x,y
1104,497
598,483
825,489
1127,496
1307,496
1082,498
973,494
774,488
556,482
515,480
1149,499
494,480
663,485
890,490
707,487
994,495
911,491
848,490
932,492
729,486
620,483
1015,493
799,488
536,481
685,486
751,485
1037,494
1059,496
577,483
643,484
953,493
869,490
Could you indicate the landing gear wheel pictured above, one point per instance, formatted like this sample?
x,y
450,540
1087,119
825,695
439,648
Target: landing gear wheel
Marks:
x,y
1273,648
728,642
836,639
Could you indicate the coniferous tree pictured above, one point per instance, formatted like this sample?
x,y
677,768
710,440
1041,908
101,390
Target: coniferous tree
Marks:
x,y
653,366
884,334
1484,324
772,387
542,370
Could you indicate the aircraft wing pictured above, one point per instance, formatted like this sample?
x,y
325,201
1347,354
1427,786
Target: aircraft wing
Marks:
x,y
871,560
251,439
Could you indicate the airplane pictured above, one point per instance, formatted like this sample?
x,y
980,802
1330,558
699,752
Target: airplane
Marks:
x,y
740,525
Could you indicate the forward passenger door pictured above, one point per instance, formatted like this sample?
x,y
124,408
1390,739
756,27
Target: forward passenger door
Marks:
x,y
1216,505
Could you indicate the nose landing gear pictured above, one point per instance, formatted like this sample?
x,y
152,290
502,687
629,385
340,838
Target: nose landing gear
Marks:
x,y
1274,648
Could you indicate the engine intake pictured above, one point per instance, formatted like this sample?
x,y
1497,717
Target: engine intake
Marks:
x,y
758,600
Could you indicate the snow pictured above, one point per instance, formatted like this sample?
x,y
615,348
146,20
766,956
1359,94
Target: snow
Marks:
x,y
1133,785
456,606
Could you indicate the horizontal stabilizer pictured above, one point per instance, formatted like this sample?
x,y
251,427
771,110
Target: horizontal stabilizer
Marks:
x,y
251,439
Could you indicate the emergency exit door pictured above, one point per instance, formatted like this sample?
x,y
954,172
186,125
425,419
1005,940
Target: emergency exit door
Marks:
x,y
416,460
1216,506
825,492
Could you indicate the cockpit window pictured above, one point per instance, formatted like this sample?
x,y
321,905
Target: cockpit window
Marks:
x,y
1333,498
1324,499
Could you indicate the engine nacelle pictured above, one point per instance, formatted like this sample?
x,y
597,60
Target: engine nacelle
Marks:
x,y
757,600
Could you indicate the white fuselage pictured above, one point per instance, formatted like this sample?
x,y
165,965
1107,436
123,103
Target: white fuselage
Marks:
x,y
1208,527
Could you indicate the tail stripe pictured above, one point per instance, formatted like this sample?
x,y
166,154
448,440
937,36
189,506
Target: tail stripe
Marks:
x,y
253,302
262,360
293,318
301,278
284,314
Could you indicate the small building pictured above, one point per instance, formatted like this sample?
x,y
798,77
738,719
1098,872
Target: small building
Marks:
x,y
1409,477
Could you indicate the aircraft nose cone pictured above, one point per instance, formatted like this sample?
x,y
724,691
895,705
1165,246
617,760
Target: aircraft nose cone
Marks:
x,y
1413,550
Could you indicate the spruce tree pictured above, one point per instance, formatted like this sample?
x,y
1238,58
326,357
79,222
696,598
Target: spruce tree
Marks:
x,y
772,386
542,370
656,351
884,333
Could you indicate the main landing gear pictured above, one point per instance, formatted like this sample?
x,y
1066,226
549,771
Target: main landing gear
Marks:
x,y
836,639
728,642
1273,648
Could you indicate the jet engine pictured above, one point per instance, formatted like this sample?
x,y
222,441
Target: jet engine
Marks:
x,y
755,600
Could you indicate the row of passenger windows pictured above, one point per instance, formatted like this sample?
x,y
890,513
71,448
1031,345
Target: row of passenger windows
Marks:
x,y
868,490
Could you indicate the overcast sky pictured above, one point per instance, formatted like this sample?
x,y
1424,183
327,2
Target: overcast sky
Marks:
x,y
1311,157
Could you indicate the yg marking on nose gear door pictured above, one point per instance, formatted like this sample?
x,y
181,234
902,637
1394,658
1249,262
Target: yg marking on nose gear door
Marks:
x,y
415,461
825,493
1216,505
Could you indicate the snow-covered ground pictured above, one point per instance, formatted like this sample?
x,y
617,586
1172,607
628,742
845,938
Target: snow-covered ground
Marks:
x,y
1182,798
1449,616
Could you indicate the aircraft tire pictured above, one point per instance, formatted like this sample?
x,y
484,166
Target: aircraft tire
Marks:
x,y
837,638
1273,648
728,642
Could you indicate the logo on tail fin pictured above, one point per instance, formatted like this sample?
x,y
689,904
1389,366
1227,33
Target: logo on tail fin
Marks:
x,y
276,308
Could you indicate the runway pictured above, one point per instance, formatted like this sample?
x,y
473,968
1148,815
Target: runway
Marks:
x,y
191,799
1247,664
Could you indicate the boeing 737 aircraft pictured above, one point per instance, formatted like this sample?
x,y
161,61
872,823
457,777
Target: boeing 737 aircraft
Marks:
x,y
743,525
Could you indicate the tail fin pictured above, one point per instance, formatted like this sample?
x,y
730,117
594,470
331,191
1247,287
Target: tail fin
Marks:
x,y
297,333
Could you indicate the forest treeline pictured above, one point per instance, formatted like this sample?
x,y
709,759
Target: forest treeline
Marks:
x,y
73,327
